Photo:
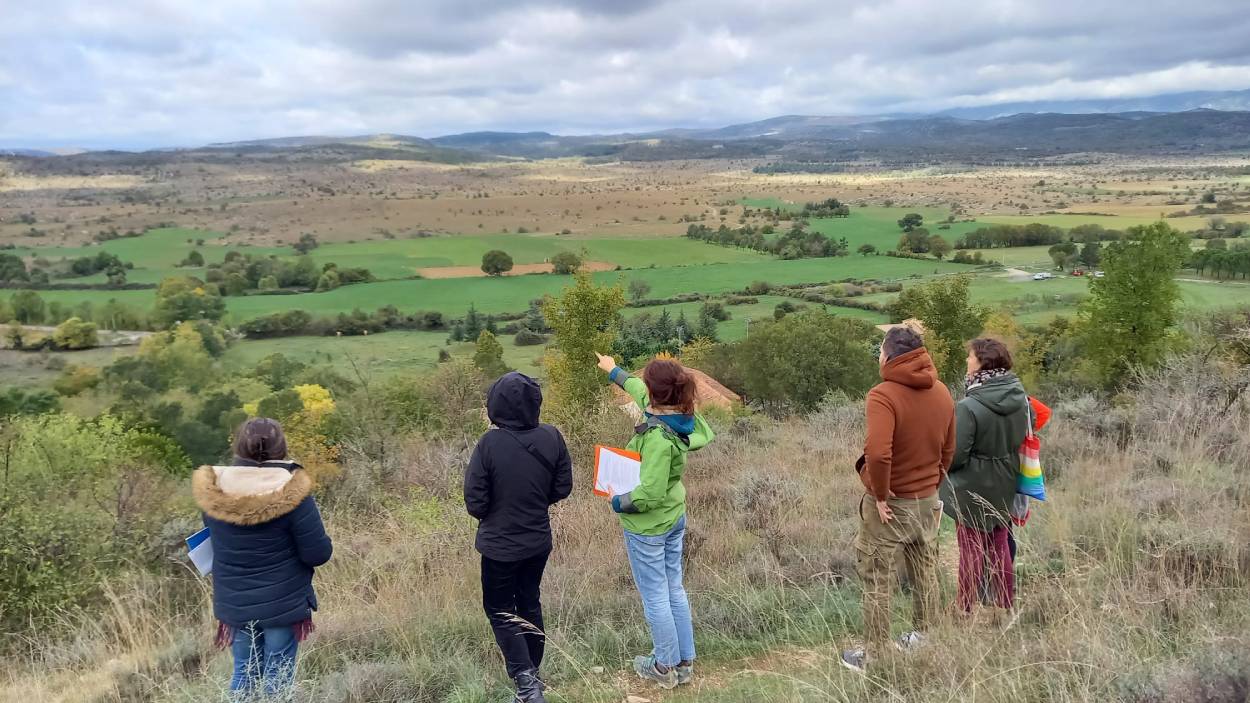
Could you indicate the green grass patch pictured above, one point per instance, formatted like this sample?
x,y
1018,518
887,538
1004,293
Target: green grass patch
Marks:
x,y
380,355
452,296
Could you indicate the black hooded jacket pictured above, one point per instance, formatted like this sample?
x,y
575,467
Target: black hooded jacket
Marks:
x,y
507,486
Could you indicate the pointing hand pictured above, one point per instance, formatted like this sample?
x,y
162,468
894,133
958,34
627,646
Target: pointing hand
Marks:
x,y
606,363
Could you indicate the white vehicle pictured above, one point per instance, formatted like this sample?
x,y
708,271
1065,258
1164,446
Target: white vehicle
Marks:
x,y
1099,274
1044,276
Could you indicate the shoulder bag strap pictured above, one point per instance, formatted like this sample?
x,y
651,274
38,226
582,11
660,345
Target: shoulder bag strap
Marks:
x,y
532,450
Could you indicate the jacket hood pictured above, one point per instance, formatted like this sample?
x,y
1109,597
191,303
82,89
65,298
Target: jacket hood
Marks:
x,y
914,369
680,423
514,402
249,495
1004,395
698,436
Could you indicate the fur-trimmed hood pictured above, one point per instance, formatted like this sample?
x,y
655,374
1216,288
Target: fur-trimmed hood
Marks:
x,y
249,495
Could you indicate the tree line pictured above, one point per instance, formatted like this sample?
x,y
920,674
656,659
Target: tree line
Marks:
x,y
1032,235
798,242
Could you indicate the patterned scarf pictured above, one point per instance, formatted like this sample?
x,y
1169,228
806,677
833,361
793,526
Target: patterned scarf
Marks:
x,y
984,375
225,633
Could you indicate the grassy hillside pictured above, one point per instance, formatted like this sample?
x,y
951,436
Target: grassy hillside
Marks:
x,y
1132,579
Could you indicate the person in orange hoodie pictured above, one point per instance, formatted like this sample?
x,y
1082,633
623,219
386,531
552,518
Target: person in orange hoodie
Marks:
x,y
911,439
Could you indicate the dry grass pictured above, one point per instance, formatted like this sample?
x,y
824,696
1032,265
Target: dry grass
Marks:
x,y
1132,579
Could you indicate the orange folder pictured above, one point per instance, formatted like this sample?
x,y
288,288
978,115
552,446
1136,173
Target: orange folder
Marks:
x,y
616,471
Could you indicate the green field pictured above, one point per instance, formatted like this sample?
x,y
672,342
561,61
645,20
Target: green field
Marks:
x,y
671,265
452,296
878,226
157,253
401,258
378,355
1120,222
741,315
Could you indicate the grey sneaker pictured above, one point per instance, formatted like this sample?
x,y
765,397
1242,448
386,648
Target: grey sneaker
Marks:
x,y
646,669
909,642
855,660
685,674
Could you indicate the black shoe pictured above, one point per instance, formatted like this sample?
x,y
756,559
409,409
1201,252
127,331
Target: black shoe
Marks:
x,y
529,688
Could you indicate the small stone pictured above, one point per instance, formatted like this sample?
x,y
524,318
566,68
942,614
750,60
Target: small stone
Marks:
x,y
637,699
597,670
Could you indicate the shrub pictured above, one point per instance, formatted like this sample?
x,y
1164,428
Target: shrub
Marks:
x,y
76,379
565,262
797,360
527,338
75,334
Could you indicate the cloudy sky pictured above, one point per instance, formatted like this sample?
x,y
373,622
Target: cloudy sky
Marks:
x,y
144,73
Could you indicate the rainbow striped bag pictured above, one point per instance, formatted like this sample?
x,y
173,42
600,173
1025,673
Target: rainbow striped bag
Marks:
x,y
1029,481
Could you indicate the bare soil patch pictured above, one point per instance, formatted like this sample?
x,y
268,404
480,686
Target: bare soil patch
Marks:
x,y
517,270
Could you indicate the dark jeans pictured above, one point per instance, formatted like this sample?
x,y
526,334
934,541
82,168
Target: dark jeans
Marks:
x,y
511,593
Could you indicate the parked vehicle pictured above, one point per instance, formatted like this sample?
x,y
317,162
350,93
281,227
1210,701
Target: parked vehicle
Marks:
x,y
1043,276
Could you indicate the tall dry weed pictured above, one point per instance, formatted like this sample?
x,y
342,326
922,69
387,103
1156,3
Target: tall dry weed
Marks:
x,y
1132,578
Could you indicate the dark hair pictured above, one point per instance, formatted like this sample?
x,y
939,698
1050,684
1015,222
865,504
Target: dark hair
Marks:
x,y
991,353
900,340
669,384
260,439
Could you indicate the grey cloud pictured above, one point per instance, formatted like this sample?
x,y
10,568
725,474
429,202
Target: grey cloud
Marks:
x,y
161,72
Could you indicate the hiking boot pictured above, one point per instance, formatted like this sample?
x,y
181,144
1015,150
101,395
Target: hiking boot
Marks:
x,y
909,642
855,660
648,668
685,673
529,688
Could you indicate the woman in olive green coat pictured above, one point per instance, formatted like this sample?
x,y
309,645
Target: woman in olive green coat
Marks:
x,y
991,423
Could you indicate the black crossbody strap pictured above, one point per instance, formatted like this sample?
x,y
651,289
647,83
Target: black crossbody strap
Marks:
x,y
533,452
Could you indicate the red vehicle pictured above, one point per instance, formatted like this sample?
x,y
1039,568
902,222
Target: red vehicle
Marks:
x,y
1078,272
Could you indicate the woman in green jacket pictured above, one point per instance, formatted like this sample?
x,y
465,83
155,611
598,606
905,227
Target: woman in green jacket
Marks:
x,y
653,515
991,423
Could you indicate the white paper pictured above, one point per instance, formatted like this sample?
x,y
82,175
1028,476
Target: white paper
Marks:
x,y
202,552
616,474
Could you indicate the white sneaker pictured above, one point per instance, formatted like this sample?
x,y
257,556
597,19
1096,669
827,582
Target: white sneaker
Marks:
x,y
909,641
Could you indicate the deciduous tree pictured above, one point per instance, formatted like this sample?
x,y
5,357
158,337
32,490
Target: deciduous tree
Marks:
x,y
496,262
1130,316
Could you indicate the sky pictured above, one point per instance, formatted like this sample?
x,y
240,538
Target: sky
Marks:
x,y
155,73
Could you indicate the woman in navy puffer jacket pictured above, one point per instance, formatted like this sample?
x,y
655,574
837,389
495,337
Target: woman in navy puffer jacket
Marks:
x,y
267,538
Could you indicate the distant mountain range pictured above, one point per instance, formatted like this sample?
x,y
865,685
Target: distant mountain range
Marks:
x,y
808,138
1230,101
1139,126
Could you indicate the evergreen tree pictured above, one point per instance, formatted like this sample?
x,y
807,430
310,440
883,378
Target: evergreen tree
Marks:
x,y
665,329
683,331
707,325
534,321
473,323
489,356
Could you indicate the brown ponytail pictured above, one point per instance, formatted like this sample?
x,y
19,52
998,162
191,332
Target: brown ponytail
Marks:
x,y
670,385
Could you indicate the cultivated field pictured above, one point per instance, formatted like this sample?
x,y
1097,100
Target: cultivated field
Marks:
x,y
421,230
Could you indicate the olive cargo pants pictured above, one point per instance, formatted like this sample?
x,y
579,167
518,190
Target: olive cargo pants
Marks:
x,y
914,530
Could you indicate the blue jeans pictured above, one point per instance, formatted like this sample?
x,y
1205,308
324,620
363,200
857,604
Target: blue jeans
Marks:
x,y
264,661
656,563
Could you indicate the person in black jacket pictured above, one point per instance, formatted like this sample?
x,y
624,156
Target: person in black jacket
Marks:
x,y
519,469
267,539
